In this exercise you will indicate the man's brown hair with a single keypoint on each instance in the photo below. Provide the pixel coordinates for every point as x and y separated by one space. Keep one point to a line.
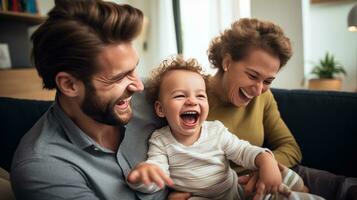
246 35
75 33
152 87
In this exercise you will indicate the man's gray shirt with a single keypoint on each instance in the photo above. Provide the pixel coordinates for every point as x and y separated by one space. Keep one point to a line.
57 160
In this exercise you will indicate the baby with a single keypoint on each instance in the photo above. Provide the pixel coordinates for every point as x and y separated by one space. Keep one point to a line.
191 154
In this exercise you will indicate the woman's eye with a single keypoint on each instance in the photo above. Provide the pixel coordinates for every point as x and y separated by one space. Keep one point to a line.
267 82
252 76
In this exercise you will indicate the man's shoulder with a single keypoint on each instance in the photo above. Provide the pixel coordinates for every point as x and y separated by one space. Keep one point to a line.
39 142
144 113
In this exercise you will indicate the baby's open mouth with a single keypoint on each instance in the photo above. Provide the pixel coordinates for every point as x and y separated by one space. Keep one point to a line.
190 117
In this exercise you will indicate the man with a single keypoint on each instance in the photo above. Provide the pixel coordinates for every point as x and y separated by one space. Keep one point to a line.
80 148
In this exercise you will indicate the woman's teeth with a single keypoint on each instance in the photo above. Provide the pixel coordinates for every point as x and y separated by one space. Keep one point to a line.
246 94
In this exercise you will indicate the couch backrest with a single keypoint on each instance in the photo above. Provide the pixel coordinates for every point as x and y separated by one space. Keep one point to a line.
325 126
17 116
323 123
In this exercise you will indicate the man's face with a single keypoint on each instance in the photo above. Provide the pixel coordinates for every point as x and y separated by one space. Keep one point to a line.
107 97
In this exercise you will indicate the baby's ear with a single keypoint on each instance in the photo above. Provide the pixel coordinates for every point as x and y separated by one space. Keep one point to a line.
159 109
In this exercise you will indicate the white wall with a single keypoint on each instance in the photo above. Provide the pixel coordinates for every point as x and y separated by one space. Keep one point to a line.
44 6
328 32
288 15
313 30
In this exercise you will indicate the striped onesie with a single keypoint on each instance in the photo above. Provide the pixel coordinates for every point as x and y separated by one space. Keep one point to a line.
202 169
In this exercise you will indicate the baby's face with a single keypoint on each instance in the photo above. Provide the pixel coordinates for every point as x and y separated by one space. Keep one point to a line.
183 101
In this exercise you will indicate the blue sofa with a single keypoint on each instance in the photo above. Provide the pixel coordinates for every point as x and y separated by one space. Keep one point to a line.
323 123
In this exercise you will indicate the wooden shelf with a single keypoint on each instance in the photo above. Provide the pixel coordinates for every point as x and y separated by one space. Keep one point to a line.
329 1
24 17
23 84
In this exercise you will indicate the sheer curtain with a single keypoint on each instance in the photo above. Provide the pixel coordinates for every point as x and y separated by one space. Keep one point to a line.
204 19
161 40
157 41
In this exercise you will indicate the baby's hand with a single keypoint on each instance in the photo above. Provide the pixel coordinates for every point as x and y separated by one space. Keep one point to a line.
269 173
147 174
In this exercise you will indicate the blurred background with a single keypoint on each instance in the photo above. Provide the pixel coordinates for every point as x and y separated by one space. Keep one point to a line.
315 27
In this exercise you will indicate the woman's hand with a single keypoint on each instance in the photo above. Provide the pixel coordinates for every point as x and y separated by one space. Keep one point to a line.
147 174
179 196
249 182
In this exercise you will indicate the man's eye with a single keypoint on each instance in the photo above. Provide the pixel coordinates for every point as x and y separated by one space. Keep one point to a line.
117 80
132 73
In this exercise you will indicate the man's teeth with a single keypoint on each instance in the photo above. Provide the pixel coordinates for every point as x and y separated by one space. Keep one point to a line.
246 94
128 99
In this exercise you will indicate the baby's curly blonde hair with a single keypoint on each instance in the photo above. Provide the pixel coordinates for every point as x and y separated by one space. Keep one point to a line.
152 86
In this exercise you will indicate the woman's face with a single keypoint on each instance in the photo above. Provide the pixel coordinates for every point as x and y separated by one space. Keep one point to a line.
245 79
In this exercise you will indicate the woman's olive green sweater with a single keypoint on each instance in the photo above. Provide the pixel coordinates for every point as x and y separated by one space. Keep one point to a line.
259 122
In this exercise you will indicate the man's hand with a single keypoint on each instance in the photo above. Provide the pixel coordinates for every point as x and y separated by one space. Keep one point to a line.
179 196
147 174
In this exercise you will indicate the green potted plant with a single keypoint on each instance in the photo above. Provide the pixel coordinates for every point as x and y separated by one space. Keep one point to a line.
326 72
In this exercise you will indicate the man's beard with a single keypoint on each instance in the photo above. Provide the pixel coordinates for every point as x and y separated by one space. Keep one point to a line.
102 112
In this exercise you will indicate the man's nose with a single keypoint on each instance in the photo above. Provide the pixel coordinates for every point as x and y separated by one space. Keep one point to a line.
136 85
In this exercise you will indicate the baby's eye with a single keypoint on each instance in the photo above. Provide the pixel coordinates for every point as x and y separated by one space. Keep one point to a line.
201 96
179 96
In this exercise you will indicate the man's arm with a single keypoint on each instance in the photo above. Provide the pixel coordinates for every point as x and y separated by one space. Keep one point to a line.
42 180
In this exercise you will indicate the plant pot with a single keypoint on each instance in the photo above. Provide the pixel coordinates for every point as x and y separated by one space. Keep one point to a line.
325 84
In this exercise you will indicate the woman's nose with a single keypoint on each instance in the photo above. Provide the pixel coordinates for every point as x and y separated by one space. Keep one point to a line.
258 88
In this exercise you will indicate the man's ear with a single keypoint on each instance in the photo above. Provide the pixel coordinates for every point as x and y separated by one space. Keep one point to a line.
158 109
67 84
226 62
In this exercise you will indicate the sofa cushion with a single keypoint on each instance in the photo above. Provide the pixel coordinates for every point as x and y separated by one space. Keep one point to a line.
17 116
5 186
324 125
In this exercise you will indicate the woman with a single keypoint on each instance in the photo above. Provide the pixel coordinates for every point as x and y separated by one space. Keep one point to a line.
248 57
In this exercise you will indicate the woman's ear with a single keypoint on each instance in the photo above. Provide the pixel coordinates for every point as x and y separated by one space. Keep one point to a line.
67 84
158 109
226 62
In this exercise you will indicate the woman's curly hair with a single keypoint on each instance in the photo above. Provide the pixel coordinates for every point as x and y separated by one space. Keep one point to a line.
152 86
246 35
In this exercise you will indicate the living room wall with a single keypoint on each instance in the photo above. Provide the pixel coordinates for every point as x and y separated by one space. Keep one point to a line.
328 32
313 29
288 15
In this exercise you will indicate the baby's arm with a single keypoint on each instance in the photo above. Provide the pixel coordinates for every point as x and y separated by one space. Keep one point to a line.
148 178
153 174
252 157
269 173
